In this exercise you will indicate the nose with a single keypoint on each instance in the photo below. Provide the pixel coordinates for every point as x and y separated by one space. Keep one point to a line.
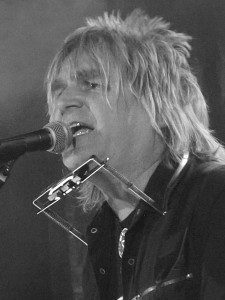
65 103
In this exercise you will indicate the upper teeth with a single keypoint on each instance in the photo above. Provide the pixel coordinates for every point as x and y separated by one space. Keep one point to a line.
75 125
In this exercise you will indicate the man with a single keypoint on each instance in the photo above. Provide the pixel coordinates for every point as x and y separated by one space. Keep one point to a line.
126 90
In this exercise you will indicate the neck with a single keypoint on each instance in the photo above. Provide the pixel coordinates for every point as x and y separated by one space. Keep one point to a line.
121 200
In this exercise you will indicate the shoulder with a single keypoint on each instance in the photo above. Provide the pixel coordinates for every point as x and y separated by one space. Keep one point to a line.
209 186
204 183
208 177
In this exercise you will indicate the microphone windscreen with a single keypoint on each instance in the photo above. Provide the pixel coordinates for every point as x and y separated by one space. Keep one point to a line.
61 136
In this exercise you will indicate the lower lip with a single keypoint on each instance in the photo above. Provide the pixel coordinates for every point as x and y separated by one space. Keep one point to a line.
79 135
82 132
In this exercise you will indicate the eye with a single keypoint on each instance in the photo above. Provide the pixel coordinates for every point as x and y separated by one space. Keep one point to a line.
90 85
57 94
94 85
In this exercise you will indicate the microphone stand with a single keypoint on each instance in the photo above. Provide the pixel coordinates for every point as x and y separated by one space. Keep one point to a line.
5 169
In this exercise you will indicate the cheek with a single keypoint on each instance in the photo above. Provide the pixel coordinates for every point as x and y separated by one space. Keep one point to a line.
114 119
54 114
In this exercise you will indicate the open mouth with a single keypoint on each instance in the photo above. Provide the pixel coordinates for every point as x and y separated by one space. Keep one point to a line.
78 129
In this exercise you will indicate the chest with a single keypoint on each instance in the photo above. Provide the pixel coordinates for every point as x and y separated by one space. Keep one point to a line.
156 258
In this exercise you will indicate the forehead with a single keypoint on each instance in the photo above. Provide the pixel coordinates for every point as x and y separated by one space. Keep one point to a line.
85 66
74 69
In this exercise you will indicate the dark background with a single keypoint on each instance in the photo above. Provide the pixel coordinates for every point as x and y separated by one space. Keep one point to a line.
38 260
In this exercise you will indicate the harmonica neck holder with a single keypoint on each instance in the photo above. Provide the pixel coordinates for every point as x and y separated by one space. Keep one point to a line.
72 181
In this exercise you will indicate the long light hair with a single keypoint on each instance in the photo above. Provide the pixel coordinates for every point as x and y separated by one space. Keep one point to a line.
152 60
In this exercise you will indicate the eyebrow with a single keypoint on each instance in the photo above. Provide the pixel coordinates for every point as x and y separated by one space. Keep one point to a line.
88 73
59 84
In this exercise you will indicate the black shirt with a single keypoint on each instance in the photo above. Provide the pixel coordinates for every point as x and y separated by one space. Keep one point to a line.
116 287
180 255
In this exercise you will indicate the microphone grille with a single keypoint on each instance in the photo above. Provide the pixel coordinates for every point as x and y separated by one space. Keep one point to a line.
61 135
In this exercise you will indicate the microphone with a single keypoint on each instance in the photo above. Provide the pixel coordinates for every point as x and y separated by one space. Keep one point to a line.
54 137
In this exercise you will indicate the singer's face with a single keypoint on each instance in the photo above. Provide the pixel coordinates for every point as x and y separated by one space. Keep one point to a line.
115 126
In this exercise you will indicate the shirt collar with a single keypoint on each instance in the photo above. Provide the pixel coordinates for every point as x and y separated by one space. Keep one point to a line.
158 183
163 181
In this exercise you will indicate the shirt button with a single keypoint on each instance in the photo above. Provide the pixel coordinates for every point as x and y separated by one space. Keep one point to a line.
131 261
102 271
138 211
94 230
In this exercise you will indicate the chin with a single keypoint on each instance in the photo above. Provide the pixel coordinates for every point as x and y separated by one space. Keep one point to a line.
72 162
75 157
